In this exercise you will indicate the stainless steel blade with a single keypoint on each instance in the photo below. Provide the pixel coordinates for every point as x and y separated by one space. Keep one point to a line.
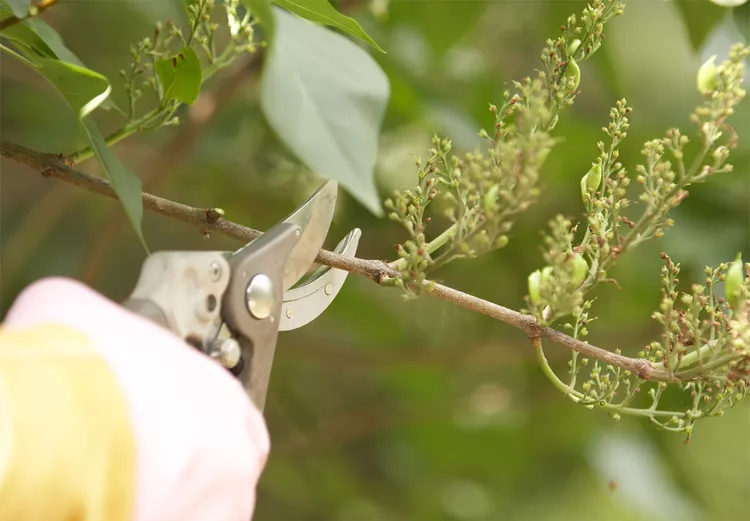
305 303
314 218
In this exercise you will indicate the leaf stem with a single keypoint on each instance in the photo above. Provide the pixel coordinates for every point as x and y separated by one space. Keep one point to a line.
577 396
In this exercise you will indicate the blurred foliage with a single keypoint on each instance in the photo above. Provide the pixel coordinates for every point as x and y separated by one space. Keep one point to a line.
389 410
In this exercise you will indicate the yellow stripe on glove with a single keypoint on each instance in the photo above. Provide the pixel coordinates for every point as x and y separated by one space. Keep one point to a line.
67 449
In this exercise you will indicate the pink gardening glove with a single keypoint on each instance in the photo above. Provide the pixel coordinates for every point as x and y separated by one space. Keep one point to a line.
200 443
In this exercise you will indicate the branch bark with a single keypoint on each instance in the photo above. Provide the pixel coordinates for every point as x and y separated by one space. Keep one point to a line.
208 219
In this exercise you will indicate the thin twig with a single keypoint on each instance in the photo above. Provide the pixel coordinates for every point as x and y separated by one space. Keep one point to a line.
40 8
52 165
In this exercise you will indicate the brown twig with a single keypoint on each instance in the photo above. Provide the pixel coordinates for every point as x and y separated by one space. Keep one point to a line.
51 165
40 8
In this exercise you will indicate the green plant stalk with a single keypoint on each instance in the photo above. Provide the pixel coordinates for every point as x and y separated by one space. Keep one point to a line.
431 247
577 396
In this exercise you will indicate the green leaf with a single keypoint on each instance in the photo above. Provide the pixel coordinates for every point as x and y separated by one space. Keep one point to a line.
126 185
16 55
261 9
728 3
325 97
38 38
20 8
323 12
85 90
181 75
443 24
700 18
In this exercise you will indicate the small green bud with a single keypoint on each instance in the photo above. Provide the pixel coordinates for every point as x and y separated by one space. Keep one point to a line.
573 71
580 270
590 182
733 282
706 79
501 242
535 280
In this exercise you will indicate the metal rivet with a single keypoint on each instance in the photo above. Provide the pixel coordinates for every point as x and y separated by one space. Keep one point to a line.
214 271
329 288
289 312
226 351
260 296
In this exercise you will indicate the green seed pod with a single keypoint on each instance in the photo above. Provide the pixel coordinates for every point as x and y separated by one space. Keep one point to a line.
534 281
573 71
490 197
706 79
574 45
580 270
733 282
590 182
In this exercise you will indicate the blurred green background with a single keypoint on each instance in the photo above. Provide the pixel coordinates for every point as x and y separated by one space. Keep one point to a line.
389 410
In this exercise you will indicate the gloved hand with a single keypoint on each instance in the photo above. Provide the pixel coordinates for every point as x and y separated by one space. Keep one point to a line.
104 416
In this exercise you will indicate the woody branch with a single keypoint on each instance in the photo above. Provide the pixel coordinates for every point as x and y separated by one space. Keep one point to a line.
209 219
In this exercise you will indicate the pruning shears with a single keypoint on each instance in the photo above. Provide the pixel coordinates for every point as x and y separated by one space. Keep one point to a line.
232 305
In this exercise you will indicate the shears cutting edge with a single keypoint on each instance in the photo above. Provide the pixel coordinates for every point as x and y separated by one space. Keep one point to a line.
231 305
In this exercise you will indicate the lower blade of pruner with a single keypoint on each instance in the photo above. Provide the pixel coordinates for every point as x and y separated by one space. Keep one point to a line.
306 302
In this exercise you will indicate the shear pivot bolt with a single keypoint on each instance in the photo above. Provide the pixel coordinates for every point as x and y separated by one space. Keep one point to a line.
260 296
226 351
214 271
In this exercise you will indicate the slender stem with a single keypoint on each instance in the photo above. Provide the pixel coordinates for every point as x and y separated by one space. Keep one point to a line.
431 247
578 397
126 131
39 8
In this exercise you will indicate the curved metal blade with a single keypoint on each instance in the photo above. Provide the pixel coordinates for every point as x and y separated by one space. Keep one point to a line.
305 303
314 217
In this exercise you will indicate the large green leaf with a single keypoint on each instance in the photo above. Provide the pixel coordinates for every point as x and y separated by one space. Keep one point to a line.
37 38
700 18
323 12
126 185
325 97
20 8
85 90
442 24
181 75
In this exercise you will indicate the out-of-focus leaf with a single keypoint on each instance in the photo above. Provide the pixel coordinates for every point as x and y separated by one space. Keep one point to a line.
728 3
126 185
699 18
325 97
442 24
85 90
14 53
181 75
20 8
323 12
37 35
261 9
741 17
